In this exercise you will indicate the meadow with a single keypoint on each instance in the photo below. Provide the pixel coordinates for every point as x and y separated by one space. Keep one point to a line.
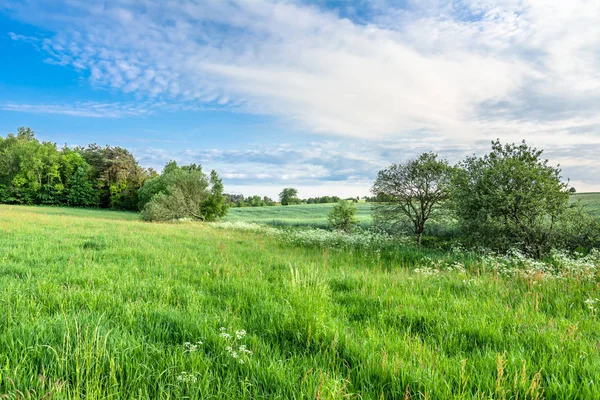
98 304
301 215
315 215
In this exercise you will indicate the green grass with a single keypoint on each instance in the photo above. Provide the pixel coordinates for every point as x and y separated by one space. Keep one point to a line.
590 201
98 304
315 215
301 215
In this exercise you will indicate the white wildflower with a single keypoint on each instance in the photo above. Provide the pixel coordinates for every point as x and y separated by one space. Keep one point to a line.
240 334
187 377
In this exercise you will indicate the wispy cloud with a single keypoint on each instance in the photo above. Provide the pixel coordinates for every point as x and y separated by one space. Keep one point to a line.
448 70
82 109
431 74
316 163
344 167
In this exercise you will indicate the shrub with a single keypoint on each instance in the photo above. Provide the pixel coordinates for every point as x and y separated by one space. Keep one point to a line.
343 216
509 198
182 192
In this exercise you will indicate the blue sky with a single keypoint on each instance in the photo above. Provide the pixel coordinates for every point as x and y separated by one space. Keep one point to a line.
318 95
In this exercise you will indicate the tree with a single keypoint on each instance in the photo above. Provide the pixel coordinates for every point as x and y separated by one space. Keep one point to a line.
343 216
572 190
288 196
411 190
182 192
267 201
29 170
117 175
81 190
510 197
34 172
215 205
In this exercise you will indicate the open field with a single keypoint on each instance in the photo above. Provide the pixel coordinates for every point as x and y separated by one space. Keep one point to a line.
591 202
98 304
297 215
316 214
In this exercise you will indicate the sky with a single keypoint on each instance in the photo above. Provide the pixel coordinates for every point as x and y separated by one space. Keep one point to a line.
317 95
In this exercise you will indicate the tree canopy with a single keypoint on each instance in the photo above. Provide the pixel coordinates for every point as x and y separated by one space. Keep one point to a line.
34 172
410 191
510 197
183 192
289 196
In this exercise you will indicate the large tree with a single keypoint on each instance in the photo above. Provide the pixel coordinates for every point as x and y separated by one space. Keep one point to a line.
510 197
289 196
117 175
410 191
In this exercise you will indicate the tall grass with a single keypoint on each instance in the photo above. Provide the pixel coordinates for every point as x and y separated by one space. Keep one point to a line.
96 306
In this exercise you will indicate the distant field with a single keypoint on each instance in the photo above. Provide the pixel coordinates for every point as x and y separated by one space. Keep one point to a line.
297 215
316 214
591 202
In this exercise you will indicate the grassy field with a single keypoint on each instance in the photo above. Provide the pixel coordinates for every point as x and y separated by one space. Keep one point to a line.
591 202
315 215
297 215
98 304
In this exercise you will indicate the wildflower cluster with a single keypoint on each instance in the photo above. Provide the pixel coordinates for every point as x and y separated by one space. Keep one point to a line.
367 239
236 350
370 241
433 267
187 377
427 271
593 304
560 265
192 347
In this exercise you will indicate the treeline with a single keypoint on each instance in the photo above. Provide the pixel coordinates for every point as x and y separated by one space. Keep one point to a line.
238 200
34 172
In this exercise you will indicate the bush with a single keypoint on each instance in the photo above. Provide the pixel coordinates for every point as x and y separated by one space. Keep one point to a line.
577 230
182 192
510 198
343 216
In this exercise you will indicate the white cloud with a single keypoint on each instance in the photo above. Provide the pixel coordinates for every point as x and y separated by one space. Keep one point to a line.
445 73
83 109
422 69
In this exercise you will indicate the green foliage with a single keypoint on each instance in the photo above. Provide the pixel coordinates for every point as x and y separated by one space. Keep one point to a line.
510 197
410 191
215 205
81 193
30 170
576 229
289 196
34 172
238 200
322 200
182 192
343 216
117 175
104 309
